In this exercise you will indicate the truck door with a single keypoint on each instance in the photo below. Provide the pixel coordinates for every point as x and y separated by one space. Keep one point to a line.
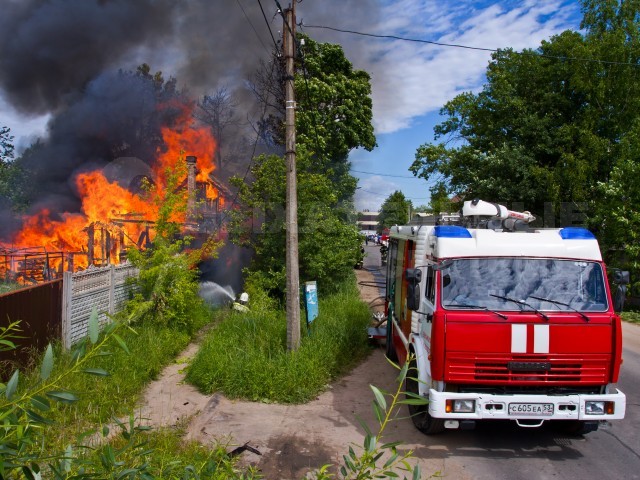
404 314
392 258
427 305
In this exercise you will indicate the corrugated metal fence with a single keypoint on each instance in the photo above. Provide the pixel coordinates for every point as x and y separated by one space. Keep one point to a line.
39 310
60 310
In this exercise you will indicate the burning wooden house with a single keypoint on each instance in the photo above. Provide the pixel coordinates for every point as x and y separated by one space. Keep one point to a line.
116 217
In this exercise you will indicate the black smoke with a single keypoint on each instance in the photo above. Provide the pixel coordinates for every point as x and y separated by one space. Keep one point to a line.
117 115
77 59
52 49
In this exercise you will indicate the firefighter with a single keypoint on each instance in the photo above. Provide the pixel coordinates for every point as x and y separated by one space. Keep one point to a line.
240 304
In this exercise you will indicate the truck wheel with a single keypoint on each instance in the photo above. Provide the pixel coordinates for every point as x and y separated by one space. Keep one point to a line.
390 349
420 413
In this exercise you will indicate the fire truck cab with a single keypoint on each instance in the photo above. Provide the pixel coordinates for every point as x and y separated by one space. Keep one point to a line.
502 321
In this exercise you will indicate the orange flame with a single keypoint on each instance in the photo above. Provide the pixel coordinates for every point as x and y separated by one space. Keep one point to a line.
182 139
117 210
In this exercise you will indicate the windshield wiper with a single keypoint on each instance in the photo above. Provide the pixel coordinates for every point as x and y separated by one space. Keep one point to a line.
477 307
521 303
582 314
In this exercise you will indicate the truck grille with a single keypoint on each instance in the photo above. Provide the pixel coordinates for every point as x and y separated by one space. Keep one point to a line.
527 369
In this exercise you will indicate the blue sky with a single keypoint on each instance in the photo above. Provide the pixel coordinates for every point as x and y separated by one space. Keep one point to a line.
411 81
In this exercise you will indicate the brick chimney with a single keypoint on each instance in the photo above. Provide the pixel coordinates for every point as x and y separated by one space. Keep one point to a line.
191 185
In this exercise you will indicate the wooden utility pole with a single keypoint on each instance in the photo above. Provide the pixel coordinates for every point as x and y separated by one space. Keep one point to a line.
291 211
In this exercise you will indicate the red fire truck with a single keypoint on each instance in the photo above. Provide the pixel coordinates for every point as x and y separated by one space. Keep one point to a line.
502 321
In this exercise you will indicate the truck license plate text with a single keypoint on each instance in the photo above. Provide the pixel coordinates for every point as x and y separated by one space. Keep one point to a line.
531 408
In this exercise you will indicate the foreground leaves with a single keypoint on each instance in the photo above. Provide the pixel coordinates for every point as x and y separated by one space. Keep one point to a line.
377 459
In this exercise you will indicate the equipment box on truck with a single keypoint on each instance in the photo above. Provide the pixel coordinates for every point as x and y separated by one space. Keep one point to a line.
504 321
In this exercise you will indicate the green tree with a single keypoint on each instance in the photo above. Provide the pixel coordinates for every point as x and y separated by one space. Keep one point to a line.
394 211
424 208
335 110
548 124
328 247
333 116
335 107
168 279
618 217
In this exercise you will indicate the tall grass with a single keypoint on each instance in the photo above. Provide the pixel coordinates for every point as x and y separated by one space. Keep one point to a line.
101 399
6 287
246 355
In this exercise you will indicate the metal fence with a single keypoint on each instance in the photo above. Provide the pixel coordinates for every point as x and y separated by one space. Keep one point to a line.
106 289
39 310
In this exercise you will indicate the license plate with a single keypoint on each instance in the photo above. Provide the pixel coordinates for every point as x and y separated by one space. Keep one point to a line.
542 409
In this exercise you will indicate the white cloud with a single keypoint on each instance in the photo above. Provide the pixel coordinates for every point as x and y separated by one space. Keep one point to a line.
410 79
25 130
372 192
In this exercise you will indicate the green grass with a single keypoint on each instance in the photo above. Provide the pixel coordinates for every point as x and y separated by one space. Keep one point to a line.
164 454
6 287
246 355
159 453
151 348
243 355
631 315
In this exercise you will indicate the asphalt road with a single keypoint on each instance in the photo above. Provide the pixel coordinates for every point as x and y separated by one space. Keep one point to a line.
504 451
495 450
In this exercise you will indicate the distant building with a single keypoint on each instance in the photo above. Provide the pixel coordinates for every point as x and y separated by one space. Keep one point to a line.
368 222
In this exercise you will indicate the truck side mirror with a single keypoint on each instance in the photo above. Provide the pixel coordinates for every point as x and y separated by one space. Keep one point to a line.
621 277
413 276
618 299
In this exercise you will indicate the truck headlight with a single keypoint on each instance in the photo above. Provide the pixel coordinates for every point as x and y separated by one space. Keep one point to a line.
598 407
461 406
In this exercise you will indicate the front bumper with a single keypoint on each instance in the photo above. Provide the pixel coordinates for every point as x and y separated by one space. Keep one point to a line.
514 407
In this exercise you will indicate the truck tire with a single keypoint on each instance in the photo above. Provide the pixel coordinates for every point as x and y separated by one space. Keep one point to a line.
390 349
420 413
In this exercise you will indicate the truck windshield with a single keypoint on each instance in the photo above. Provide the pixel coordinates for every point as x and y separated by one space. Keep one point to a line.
540 284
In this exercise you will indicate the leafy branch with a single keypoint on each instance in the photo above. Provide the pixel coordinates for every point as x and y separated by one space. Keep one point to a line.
22 416
377 459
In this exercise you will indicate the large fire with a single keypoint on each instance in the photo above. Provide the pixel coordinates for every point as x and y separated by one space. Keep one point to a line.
111 211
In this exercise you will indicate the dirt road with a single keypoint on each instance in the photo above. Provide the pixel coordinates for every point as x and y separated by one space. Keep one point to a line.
294 439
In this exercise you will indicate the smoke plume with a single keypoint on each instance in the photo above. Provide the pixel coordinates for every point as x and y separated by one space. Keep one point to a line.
76 60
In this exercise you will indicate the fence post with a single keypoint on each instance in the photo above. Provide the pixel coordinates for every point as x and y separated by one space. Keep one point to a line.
67 293
112 289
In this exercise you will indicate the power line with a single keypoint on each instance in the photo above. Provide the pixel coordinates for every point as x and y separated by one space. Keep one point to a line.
373 193
468 47
264 15
389 175
395 37
252 27
386 195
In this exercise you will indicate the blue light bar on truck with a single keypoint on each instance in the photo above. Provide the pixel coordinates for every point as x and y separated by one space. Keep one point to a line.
451 231
576 233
